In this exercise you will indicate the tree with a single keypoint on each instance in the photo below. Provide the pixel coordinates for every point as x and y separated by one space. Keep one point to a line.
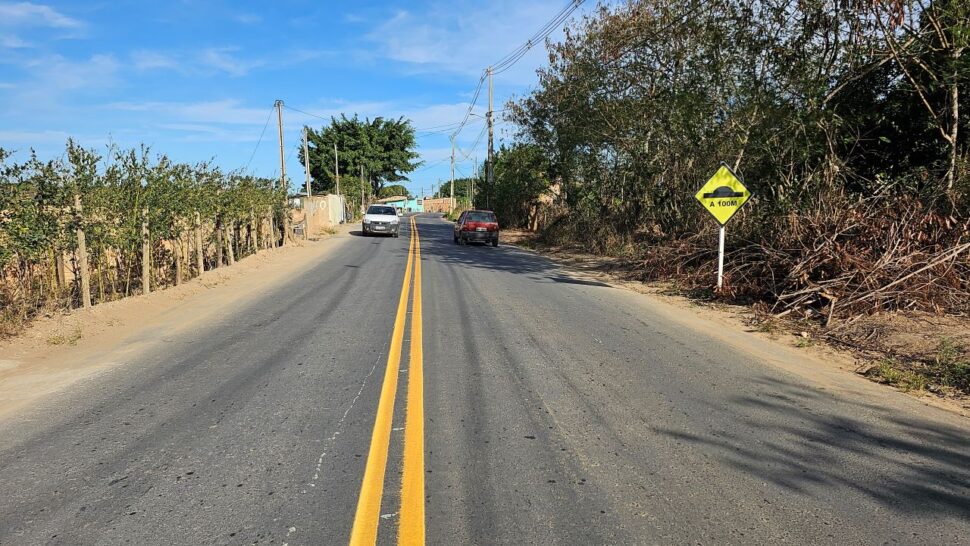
393 190
521 175
385 148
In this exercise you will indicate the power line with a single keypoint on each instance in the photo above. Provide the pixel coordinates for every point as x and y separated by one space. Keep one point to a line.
506 62
435 164
260 141
471 105
478 140
421 133
308 113
513 57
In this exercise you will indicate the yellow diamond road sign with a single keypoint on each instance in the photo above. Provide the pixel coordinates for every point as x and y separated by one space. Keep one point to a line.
723 195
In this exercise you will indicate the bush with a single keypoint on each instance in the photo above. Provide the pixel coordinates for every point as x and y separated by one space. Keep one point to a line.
117 193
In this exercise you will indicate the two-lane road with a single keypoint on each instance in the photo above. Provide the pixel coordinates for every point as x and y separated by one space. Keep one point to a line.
532 406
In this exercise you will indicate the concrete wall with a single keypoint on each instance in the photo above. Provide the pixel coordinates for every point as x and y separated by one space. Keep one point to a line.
320 211
445 204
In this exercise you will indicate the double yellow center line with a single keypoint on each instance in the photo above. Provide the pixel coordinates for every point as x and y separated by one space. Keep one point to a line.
411 527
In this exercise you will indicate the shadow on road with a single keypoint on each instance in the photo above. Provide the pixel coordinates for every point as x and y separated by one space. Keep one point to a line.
437 239
903 462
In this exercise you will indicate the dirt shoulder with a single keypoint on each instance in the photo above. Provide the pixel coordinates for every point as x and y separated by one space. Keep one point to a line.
58 350
886 348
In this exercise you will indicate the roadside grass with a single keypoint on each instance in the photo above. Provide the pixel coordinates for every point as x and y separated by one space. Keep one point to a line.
70 338
11 323
948 371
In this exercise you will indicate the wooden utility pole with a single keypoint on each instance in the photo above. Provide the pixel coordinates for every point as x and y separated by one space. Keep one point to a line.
146 255
286 215
82 255
451 207
336 168
306 161
489 177
279 123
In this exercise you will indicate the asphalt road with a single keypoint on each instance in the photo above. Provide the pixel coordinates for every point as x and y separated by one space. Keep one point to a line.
555 410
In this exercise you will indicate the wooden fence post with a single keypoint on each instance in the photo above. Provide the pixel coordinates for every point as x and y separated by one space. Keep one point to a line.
146 254
229 243
272 230
82 252
252 231
177 249
61 267
219 242
199 251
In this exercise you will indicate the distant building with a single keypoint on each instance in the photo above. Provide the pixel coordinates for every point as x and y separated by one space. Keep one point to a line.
404 203
444 204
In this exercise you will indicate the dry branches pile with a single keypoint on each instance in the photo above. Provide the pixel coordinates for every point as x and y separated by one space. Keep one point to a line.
872 255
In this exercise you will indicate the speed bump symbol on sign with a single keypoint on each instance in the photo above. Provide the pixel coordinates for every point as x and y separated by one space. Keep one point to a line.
723 195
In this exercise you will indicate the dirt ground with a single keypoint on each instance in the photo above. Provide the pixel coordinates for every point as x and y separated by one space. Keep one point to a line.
60 349
856 347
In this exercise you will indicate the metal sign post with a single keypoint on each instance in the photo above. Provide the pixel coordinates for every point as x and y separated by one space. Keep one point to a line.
720 259
723 196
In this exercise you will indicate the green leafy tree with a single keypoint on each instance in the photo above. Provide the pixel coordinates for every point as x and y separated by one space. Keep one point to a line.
384 148
393 190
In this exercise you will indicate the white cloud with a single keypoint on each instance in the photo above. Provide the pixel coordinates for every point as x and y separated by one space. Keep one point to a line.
464 38
33 137
22 14
153 60
56 73
227 111
247 18
10 41
221 59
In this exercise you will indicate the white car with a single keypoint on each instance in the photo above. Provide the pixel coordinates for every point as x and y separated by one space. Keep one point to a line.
381 219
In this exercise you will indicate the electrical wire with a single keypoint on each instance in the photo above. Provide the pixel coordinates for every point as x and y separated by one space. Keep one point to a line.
308 113
506 62
478 140
513 57
435 164
260 141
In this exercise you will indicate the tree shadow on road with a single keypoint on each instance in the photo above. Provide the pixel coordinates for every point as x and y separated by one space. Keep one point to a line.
437 240
900 460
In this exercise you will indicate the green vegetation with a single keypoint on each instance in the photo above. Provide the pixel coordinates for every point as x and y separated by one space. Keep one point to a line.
948 371
384 148
117 193
393 190
844 119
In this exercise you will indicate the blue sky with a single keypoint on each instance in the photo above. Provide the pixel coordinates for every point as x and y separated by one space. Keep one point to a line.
197 80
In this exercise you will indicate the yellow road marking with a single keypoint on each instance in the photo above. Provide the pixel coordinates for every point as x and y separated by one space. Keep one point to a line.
411 530
368 513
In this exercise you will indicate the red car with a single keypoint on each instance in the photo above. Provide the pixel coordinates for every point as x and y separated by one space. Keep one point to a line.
477 226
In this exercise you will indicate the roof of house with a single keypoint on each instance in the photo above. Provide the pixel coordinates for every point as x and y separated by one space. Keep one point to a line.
392 199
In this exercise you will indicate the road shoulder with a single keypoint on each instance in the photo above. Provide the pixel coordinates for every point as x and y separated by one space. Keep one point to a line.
797 351
61 349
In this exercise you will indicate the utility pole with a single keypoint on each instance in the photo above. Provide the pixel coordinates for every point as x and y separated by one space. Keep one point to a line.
451 206
336 166
489 176
306 161
279 122
336 170
286 214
